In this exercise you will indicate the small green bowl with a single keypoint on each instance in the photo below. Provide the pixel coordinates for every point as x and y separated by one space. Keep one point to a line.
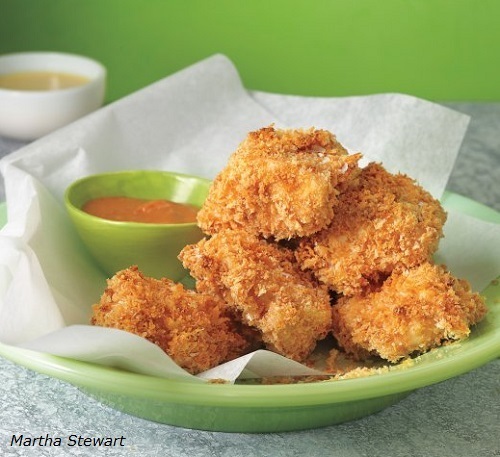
152 247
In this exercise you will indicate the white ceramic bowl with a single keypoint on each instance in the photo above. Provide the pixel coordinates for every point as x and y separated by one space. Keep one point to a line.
30 114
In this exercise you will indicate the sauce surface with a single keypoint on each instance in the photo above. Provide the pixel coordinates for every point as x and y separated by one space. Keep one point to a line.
128 209
41 80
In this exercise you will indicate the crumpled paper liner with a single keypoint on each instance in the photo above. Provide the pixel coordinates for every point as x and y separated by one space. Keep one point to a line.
191 122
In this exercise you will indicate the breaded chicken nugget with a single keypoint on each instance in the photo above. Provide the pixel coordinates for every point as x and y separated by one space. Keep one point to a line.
414 311
383 222
279 183
264 288
191 328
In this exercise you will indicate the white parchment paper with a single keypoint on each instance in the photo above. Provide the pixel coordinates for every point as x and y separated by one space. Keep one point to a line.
191 122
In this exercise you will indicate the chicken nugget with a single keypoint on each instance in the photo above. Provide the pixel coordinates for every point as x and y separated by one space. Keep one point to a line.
383 222
414 311
191 328
279 183
264 288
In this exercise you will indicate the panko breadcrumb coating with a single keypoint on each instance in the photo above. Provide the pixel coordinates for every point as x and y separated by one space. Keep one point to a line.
414 311
383 222
190 327
259 282
293 225
279 184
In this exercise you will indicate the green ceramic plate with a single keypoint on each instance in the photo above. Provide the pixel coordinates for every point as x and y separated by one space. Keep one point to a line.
269 408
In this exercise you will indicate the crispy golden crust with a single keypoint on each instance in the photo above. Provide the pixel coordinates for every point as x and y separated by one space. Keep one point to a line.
191 328
295 224
279 183
414 311
383 222
265 289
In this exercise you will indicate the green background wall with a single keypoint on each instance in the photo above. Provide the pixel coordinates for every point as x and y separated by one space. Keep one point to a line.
435 49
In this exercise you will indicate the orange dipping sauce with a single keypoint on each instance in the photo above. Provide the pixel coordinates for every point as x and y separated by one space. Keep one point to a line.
128 209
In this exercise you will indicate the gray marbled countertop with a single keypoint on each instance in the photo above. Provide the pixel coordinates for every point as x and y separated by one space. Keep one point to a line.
458 417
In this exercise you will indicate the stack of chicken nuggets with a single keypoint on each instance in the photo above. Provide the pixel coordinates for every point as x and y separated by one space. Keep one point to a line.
301 243
364 235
